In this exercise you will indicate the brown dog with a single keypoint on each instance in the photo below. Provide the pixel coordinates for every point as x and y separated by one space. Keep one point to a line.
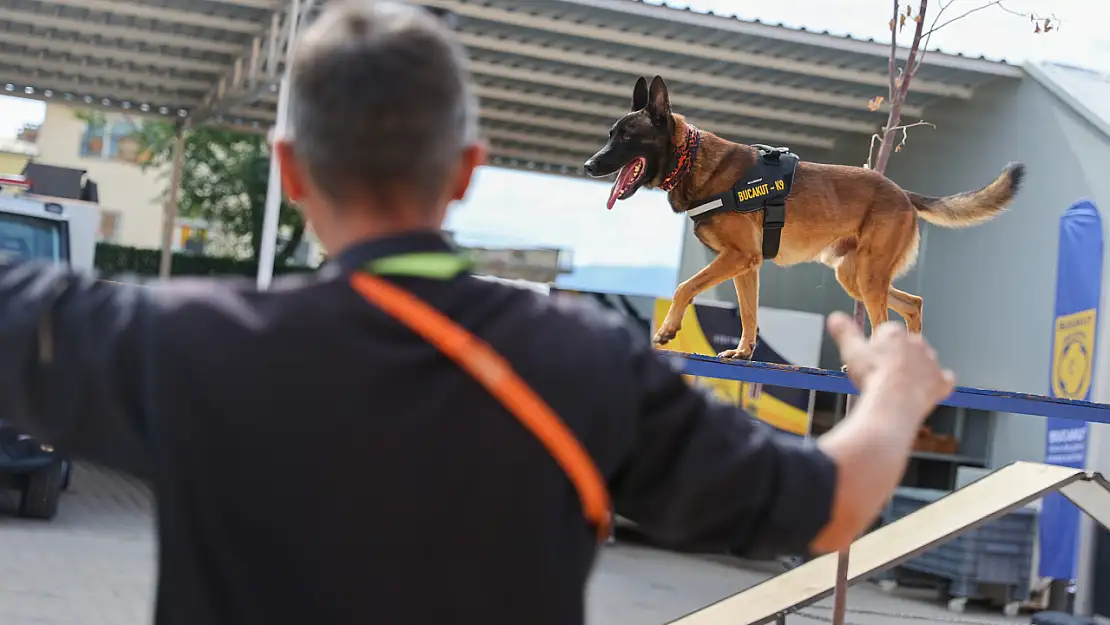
852 219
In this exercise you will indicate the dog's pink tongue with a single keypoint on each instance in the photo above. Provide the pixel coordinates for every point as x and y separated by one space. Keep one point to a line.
614 193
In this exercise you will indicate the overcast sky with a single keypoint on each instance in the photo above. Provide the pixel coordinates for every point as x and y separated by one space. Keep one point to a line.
523 208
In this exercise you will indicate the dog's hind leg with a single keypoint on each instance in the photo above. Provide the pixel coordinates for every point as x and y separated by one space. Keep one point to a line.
906 304
874 273
888 240
846 276
909 306
726 265
747 295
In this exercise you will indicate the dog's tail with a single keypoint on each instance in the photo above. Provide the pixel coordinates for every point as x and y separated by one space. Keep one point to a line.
974 207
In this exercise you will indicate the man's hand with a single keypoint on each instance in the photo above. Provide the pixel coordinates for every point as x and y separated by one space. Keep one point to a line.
901 364
900 382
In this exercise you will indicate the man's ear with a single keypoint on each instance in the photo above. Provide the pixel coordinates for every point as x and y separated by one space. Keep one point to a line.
292 174
640 94
659 102
473 157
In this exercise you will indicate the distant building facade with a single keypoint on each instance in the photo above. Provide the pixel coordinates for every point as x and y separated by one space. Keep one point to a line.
15 153
132 199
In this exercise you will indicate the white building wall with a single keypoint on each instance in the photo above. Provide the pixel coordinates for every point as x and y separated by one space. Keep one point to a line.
990 291
131 198
125 190
1093 149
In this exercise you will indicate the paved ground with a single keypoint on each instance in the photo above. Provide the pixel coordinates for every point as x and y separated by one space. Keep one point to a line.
93 565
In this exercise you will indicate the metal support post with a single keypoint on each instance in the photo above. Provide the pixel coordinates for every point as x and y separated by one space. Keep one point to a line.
840 592
268 248
169 212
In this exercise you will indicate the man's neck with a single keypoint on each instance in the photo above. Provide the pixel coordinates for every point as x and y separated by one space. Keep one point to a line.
354 231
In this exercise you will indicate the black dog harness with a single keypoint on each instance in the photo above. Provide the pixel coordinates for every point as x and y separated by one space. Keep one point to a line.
764 187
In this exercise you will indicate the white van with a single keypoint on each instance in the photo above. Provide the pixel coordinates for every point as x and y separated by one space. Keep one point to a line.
57 230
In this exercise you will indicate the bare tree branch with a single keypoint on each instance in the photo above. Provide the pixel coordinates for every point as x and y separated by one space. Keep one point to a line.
905 135
988 5
875 138
900 78
886 147
893 66
1051 20
929 35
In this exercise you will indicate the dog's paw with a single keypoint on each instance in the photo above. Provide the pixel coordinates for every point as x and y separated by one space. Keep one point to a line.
737 354
664 336
742 352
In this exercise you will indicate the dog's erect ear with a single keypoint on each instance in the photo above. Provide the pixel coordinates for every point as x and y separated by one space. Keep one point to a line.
659 102
640 94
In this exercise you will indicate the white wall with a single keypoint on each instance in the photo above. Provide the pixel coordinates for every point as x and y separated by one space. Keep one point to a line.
123 186
1094 147
1094 150
990 291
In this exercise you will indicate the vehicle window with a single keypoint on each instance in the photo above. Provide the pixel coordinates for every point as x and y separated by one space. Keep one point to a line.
24 238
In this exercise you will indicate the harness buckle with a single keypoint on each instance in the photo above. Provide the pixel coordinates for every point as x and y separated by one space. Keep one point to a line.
770 155
774 216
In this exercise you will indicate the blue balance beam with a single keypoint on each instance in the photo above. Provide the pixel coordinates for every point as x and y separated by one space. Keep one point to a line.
837 382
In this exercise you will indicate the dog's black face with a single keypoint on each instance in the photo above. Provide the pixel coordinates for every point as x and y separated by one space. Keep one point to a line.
639 145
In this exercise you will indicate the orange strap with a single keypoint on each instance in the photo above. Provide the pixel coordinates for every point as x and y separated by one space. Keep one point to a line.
492 371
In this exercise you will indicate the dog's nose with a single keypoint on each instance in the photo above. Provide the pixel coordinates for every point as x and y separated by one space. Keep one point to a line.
590 166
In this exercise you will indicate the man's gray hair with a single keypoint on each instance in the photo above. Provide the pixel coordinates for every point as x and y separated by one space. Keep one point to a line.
380 101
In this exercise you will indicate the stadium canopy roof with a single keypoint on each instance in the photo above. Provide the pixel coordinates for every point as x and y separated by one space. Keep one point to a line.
552 75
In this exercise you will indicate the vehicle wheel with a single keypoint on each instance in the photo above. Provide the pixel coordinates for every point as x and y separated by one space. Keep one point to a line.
67 473
44 489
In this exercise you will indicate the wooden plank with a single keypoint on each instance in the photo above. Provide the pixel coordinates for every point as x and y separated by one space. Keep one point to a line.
1092 496
836 382
992 496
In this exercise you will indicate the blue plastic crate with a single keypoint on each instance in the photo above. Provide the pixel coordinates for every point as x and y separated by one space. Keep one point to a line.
998 553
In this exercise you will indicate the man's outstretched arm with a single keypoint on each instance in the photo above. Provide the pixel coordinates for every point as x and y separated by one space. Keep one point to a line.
75 363
704 476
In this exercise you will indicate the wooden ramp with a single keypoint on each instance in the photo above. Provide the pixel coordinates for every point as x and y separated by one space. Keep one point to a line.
963 510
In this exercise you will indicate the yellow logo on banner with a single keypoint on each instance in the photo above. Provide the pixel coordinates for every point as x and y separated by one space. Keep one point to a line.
1073 354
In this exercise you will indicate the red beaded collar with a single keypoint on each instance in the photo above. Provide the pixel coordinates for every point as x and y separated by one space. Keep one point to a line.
684 157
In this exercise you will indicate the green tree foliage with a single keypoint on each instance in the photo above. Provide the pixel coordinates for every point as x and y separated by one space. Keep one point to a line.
115 261
95 120
223 180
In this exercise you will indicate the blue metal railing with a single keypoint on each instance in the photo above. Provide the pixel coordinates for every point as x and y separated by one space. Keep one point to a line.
837 382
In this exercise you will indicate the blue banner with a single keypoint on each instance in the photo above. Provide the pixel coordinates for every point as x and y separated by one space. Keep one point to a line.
1078 288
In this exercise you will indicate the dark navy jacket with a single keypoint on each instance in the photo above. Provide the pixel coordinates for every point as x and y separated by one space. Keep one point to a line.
315 462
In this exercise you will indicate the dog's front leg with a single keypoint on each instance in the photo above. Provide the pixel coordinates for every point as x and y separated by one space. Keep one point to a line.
726 265
747 295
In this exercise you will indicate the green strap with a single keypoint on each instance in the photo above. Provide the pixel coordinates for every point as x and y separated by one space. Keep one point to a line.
430 265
